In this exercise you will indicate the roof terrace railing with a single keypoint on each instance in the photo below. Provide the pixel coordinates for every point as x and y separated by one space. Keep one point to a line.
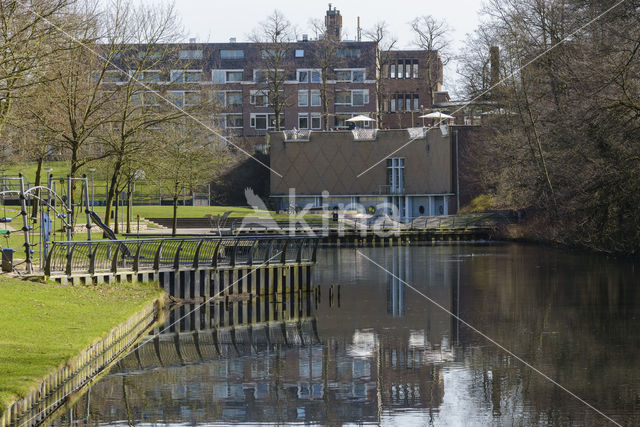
364 134
297 135
134 255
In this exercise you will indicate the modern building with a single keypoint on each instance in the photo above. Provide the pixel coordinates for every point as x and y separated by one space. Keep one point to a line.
372 171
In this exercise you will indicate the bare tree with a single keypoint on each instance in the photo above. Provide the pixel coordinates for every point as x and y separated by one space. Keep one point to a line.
432 35
385 42
185 156
272 38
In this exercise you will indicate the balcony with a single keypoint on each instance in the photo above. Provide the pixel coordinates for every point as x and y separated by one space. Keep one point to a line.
295 135
364 134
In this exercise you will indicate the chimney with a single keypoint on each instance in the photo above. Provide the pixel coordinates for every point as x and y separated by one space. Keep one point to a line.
333 23
232 40
494 62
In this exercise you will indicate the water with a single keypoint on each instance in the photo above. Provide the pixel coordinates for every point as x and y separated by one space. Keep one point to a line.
378 352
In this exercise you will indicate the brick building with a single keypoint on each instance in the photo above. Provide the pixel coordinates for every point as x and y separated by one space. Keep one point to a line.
233 73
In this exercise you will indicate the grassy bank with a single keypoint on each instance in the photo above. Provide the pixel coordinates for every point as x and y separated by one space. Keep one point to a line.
45 324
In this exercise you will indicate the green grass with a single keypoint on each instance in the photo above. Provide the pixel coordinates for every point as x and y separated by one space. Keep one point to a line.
46 324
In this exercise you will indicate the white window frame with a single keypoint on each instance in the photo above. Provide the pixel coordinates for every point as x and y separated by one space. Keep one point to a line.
254 116
335 101
198 54
224 72
365 97
226 98
309 72
176 74
311 94
315 116
259 92
226 121
299 53
306 117
305 94
143 74
350 71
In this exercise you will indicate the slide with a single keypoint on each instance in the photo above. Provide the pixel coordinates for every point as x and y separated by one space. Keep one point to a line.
107 231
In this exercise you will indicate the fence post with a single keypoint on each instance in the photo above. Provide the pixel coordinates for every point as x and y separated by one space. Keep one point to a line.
69 267
114 260
176 260
92 259
214 259
156 259
196 257
136 258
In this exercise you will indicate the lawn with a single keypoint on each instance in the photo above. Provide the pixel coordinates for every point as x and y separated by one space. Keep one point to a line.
46 324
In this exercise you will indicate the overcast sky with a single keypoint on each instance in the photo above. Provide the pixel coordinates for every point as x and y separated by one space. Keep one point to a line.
217 21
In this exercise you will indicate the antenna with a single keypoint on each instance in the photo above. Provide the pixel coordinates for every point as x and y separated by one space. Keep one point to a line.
359 32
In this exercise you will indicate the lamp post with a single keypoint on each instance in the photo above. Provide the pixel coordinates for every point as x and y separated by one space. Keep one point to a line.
93 200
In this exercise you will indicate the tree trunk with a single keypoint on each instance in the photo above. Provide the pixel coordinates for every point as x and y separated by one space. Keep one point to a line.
111 194
36 202
174 223
116 228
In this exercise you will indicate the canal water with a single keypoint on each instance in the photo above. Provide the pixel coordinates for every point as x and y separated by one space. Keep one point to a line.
370 349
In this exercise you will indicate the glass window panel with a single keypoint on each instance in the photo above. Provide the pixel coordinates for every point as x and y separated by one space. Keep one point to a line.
415 68
343 76
400 69
303 98
303 76
190 54
316 100
358 76
392 73
407 69
234 99
316 122
261 121
235 121
358 98
234 76
231 54
299 53
191 98
316 76
303 121
343 98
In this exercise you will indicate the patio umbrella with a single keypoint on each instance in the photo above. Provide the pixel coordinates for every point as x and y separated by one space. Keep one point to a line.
437 115
360 119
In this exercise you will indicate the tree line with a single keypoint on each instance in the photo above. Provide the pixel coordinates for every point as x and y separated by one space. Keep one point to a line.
561 130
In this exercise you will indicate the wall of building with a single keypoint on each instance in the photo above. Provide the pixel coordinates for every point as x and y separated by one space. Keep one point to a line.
332 161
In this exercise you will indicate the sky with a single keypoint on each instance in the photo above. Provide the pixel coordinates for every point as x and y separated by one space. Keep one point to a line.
217 21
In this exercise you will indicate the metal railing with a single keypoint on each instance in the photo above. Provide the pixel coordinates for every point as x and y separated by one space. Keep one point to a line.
360 134
297 135
135 255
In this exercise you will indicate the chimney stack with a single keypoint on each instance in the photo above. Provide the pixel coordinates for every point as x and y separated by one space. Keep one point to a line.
333 23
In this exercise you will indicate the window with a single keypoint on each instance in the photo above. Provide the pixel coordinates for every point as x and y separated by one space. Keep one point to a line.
303 121
219 98
360 97
231 54
303 98
186 76
308 75
303 76
259 98
259 76
112 76
400 69
234 121
392 73
233 76
316 100
149 55
190 54
316 76
355 75
299 53
407 69
151 98
395 174
316 121
260 121
343 97
234 99
150 76
343 76
415 68
392 105
400 102
350 52
192 98
175 97
416 102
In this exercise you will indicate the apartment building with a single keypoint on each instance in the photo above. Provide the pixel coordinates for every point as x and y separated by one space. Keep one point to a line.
233 76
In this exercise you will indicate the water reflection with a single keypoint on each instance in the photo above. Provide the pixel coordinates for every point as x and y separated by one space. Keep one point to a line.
367 349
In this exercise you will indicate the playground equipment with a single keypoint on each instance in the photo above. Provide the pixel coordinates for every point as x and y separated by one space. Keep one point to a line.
49 199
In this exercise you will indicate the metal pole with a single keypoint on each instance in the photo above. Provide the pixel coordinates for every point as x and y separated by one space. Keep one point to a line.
457 176
70 223
87 208
25 228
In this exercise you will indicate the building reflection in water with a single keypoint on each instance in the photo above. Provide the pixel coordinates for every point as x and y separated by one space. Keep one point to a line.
294 357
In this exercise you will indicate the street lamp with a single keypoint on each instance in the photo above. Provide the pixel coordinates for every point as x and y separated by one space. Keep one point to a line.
93 200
